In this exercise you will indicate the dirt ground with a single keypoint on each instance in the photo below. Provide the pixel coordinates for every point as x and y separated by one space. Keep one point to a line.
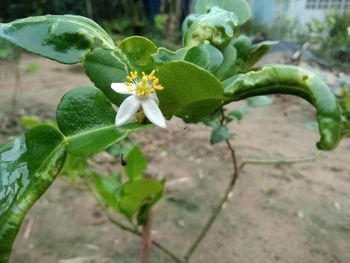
278 213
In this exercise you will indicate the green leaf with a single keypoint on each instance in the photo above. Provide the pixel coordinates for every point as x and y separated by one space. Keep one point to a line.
198 56
189 91
28 166
257 52
218 27
87 118
220 134
282 79
104 67
205 56
138 193
64 38
259 101
238 114
239 7
138 50
107 188
136 163
227 67
164 55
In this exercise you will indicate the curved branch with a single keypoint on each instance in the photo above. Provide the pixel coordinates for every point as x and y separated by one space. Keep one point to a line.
282 79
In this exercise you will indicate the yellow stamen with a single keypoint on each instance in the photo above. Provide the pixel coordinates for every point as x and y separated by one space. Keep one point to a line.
147 84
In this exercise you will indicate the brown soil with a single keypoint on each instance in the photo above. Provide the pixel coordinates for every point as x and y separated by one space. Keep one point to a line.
278 213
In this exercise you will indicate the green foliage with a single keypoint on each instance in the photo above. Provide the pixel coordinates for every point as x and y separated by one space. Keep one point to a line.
86 117
190 92
331 39
107 188
239 7
214 68
66 39
29 164
138 51
136 194
164 55
217 26
104 67
135 163
295 81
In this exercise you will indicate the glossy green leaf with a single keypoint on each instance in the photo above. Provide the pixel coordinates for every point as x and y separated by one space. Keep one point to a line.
189 91
218 27
64 38
104 67
138 193
87 118
281 79
238 7
164 55
28 166
136 163
138 50
107 188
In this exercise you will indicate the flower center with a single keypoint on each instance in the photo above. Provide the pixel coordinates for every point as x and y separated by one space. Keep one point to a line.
144 86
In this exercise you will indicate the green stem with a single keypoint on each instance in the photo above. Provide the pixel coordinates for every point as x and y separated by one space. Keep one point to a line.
279 161
218 207
127 228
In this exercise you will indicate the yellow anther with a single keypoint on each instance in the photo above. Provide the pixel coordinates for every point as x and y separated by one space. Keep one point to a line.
144 80
158 87
147 84
151 75
155 81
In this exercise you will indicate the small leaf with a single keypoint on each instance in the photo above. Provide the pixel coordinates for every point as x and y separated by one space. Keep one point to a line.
64 38
108 187
217 26
164 55
220 134
138 193
28 166
238 114
227 67
104 67
136 163
198 56
86 117
257 52
189 91
138 50
238 7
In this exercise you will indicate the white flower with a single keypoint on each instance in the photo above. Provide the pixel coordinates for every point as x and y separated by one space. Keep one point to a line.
142 94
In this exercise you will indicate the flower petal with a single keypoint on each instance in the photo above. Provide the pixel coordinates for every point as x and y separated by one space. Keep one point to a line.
121 88
127 110
153 113
154 97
